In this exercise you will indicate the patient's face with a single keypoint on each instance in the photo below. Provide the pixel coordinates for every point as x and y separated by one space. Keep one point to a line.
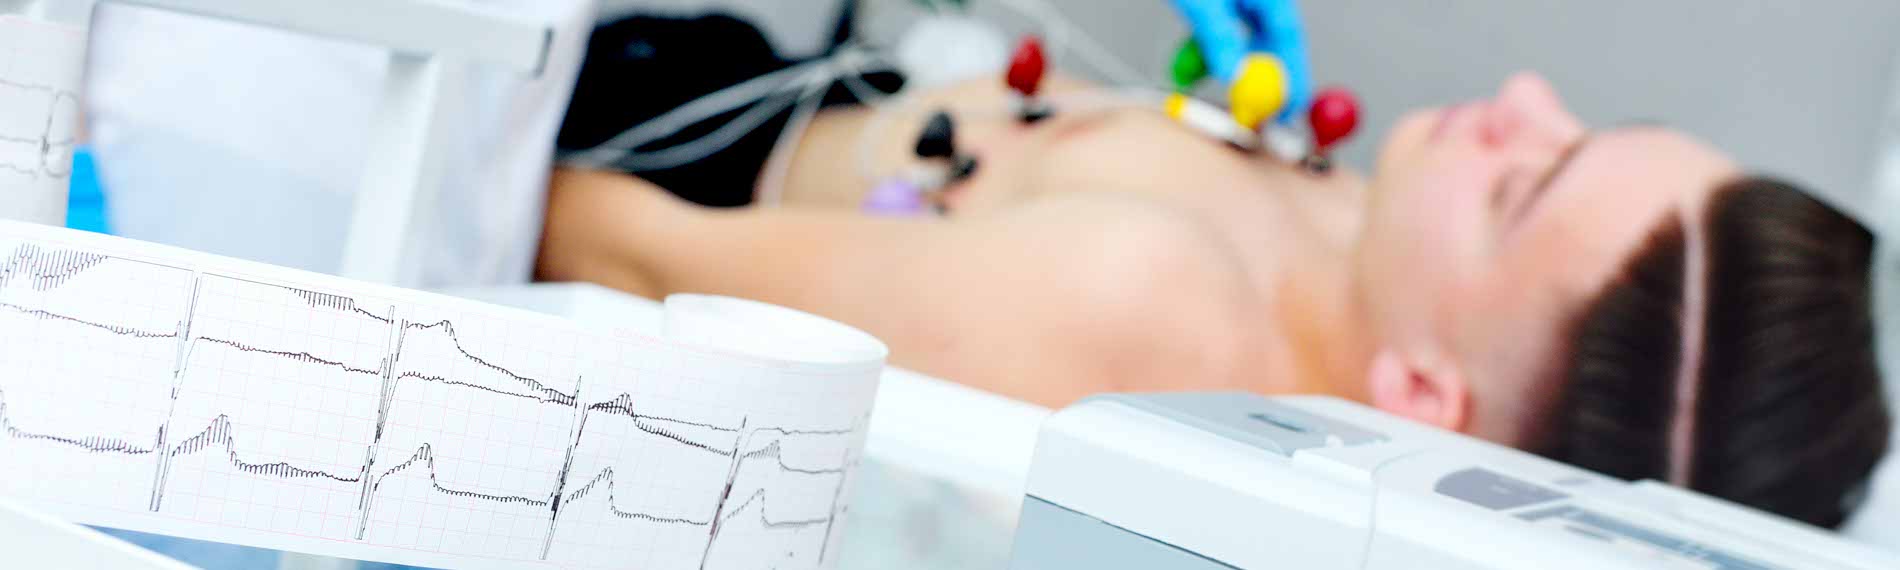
1492 221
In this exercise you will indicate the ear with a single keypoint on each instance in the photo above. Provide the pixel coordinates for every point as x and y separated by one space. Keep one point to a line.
1438 397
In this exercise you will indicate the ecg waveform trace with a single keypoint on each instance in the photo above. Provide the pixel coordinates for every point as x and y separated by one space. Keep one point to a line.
32 272
40 71
49 149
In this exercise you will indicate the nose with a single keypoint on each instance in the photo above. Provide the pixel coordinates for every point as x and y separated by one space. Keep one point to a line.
1527 110
1527 87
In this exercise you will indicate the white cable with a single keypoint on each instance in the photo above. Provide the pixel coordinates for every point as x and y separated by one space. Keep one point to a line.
767 95
1104 61
721 138
849 65
707 106
623 149
864 92
703 108
820 75
1056 32
852 67
712 104
1071 102
939 7
785 150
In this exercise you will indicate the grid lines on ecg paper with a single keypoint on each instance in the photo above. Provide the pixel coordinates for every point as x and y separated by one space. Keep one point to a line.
36 137
305 413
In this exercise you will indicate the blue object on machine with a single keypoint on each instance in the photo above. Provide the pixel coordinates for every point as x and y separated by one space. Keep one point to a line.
1228 30
220 556
86 198
199 553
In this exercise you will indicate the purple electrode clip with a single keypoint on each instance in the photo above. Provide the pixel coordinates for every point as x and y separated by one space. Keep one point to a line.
896 197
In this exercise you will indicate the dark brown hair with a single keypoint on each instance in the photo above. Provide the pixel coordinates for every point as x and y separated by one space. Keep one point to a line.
1788 415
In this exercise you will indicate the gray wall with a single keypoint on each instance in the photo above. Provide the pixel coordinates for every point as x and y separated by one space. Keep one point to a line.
1788 87
1795 88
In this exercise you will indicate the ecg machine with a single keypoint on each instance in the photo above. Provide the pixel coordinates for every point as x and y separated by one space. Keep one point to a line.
1233 480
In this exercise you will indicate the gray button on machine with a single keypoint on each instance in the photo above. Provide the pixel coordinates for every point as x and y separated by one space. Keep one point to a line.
1491 490
1251 419
1614 530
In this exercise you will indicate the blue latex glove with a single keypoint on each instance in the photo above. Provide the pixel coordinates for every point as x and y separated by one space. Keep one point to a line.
1227 30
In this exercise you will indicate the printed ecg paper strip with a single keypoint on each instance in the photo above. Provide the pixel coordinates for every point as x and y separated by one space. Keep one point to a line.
40 69
166 391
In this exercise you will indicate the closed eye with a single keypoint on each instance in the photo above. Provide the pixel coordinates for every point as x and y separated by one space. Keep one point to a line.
1520 202
1527 199
1503 193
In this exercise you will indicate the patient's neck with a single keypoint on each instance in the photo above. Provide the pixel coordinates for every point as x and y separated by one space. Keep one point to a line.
1325 330
1343 342
1298 232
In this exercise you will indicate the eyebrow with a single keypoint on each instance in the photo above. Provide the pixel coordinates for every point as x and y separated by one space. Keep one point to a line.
1570 152
1563 163
1576 147
1568 155
1550 176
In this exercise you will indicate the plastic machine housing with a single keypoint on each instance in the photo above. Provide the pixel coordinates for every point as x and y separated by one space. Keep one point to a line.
1231 480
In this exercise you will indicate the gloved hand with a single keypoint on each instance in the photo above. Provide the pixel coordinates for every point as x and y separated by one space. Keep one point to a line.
1227 30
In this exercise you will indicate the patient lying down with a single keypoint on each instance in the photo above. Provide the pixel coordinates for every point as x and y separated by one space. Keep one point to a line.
1623 299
